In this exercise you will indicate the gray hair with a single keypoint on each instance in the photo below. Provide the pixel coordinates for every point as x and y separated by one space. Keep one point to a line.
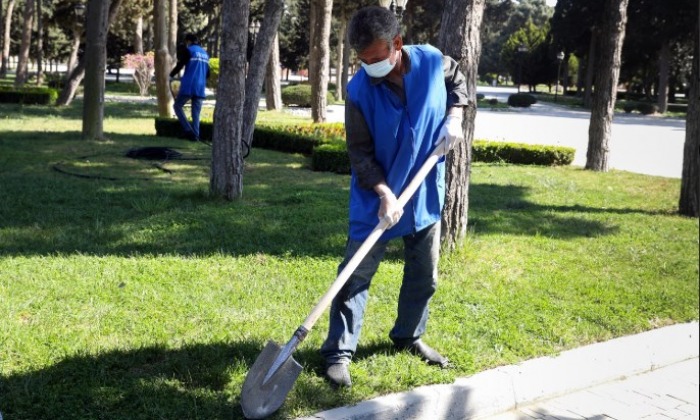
370 24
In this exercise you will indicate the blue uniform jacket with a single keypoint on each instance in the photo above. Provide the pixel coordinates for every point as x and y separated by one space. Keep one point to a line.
403 136
194 80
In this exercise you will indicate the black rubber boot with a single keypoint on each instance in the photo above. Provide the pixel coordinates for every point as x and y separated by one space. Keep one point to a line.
338 375
427 353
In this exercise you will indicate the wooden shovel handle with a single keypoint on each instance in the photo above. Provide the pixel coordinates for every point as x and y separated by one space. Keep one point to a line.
376 233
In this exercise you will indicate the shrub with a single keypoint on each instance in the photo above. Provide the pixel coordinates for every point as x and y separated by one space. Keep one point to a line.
493 101
680 108
523 154
480 96
331 157
143 69
291 139
28 95
628 107
213 80
300 95
170 127
647 109
522 100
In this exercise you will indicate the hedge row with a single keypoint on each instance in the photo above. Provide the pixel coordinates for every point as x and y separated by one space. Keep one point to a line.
521 154
28 95
290 139
325 143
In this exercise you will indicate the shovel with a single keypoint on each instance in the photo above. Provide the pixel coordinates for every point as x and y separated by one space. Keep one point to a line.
274 372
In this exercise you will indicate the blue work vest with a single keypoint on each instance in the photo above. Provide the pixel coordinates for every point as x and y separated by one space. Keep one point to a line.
194 80
403 136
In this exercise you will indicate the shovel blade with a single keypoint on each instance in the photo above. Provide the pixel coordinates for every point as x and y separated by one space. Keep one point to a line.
259 401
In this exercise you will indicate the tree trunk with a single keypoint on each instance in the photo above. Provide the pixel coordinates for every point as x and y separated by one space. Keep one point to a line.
590 69
138 35
172 31
664 72
346 64
257 66
75 47
96 49
39 44
23 59
273 89
460 39
606 77
227 161
689 202
319 57
162 58
72 83
7 27
339 94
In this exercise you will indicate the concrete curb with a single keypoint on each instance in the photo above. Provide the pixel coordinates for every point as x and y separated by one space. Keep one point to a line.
508 387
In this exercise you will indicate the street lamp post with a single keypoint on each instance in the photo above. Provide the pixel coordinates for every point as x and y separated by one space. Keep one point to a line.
399 8
79 10
212 46
254 27
522 49
560 58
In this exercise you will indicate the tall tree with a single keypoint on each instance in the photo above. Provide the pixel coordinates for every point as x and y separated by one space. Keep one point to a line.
77 27
606 77
257 67
23 60
39 43
227 160
575 26
460 38
7 27
172 30
138 34
76 75
162 58
689 202
273 88
94 87
319 58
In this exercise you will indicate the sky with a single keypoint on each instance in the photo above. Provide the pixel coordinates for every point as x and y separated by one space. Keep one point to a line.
551 2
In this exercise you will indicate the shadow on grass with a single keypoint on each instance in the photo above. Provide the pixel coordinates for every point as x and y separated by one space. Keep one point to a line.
153 208
195 381
74 111
504 209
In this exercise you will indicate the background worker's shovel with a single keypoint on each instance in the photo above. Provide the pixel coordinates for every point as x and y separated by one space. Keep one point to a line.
274 372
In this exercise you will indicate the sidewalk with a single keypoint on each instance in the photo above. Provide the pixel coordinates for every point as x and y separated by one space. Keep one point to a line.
649 375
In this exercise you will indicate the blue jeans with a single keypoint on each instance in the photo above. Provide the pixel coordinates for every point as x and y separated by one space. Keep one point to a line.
180 102
421 255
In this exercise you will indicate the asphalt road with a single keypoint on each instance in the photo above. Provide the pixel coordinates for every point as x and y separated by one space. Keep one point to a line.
649 145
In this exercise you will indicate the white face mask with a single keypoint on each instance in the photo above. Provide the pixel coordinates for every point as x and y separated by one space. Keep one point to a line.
379 69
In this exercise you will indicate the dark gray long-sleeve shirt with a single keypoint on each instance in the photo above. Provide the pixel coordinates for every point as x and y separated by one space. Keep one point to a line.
359 140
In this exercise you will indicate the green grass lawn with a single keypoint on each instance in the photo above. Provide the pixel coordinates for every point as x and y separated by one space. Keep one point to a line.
135 295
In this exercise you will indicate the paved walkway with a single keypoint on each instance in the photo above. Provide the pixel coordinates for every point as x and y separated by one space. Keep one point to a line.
652 375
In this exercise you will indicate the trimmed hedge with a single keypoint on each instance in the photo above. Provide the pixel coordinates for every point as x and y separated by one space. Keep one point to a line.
332 157
28 95
170 127
522 100
290 139
521 154
300 95
644 108
326 145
